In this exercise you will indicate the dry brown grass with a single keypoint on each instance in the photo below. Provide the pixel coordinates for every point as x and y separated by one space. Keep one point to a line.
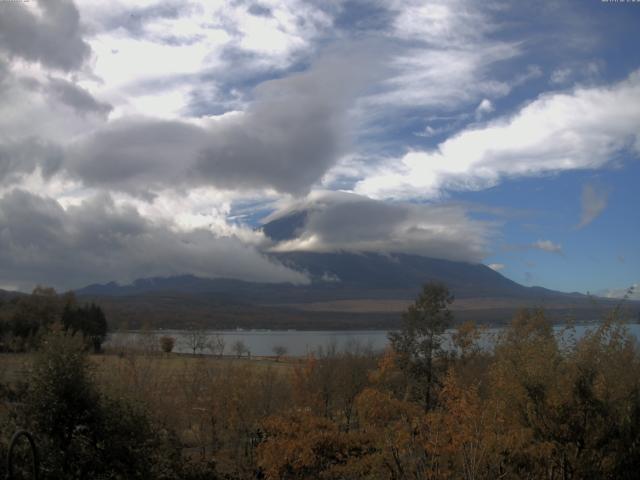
400 305
214 405
14 367
369 305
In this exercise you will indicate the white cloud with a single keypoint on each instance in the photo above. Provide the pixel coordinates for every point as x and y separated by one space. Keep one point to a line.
440 23
593 202
496 266
485 107
576 71
561 75
582 129
429 131
631 293
443 78
547 246
167 46
446 58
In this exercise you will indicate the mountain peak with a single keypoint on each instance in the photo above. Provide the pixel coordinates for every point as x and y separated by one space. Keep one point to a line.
286 227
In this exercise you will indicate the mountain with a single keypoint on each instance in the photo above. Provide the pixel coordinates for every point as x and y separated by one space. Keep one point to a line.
8 294
343 275
404 272
286 227
345 290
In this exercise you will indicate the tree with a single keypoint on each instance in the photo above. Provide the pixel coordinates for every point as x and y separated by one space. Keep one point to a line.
30 314
167 343
300 445
216 345
95 326
239 348
279 351
89 320
146 340
81 432
419 340
197 340
575 409
44 304
40 309
62 400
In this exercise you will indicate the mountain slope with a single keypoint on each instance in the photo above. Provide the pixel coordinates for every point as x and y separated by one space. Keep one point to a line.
401 272
343 275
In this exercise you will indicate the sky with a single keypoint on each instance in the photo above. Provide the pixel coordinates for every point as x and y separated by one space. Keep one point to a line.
153 138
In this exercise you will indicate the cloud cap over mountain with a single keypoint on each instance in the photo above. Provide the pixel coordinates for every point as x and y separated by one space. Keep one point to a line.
336 221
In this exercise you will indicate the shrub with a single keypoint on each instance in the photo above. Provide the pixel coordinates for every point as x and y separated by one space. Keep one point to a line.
83 433
167 344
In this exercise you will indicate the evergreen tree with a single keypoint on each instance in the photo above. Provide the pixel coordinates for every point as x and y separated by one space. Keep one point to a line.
419 340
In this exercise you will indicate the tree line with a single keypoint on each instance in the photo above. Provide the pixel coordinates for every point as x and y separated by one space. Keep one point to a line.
24 318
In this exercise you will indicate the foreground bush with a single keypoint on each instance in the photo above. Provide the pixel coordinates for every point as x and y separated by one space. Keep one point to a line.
84 434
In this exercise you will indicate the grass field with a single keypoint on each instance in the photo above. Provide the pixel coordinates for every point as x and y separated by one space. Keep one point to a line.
186 393
14 367
400 305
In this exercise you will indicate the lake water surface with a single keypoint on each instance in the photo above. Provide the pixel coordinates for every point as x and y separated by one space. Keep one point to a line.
299 342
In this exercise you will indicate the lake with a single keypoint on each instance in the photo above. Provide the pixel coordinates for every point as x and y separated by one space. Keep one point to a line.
297 342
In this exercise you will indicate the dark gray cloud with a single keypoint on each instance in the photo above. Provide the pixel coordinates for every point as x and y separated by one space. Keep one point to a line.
22 157
77 97
137 155
353 220
4 73
343 221
293 132
259 10
288 138
37 117
362 16
52 38
97 241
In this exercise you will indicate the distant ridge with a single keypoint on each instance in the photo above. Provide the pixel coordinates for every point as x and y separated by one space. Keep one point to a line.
6 294
344 274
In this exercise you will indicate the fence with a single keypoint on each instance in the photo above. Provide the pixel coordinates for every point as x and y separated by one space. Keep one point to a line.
35 465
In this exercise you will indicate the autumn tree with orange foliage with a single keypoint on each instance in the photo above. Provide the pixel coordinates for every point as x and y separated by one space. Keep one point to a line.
530 407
